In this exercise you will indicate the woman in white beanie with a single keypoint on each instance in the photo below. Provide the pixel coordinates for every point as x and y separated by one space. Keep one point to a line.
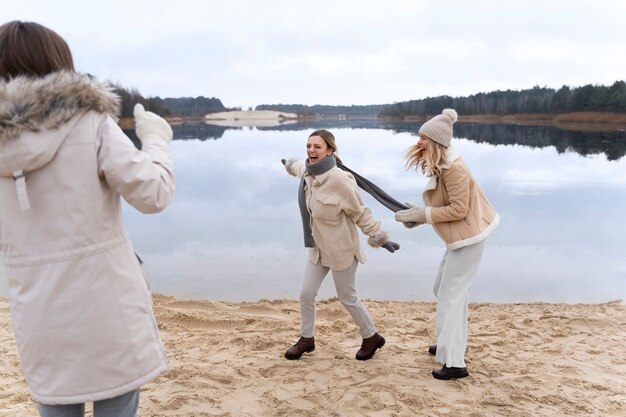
331 209
463 217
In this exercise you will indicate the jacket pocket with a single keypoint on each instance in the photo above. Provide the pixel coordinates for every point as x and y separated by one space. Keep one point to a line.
326 207
143 271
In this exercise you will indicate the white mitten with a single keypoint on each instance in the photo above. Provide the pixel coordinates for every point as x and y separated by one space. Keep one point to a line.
148 124
413 214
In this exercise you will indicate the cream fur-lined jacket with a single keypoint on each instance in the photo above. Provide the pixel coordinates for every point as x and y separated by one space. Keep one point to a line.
336 209
80 305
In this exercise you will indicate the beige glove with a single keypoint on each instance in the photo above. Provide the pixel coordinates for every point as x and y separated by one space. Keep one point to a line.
149 125
413 214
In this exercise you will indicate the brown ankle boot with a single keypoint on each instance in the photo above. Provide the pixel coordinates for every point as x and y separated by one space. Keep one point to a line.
305 344
369 347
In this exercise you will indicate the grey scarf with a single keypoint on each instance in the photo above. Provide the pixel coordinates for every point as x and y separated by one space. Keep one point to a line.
323 166
375 191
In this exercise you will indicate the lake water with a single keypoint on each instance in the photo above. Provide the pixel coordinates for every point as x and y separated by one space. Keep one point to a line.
233 230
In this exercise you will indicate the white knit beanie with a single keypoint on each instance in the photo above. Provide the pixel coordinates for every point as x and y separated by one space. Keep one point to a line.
439 128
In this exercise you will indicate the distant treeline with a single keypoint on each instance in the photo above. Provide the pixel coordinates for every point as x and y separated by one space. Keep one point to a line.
590 98
182 106
597 98
325 110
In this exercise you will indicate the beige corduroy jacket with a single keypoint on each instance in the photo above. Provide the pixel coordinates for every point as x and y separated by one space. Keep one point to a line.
456 206
336 209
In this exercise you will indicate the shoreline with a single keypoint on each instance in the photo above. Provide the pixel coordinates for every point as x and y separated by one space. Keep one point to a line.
577 121
227 359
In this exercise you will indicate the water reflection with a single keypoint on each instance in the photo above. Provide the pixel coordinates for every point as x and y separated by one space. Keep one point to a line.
233 229
610 143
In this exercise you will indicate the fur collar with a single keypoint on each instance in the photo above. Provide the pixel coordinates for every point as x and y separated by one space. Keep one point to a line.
49 102
451 155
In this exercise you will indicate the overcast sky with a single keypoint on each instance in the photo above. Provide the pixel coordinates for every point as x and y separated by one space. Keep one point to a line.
250 52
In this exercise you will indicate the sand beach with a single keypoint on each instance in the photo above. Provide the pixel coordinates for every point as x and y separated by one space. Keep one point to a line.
227 360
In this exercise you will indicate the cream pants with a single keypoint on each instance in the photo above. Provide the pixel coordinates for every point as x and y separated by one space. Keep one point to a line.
346 291
452 285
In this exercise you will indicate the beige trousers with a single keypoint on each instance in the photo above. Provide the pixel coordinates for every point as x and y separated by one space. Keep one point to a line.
346 292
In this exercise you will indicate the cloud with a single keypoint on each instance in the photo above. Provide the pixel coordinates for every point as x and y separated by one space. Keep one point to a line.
351 52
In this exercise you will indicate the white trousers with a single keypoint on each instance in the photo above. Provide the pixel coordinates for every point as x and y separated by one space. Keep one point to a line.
452 286
346 291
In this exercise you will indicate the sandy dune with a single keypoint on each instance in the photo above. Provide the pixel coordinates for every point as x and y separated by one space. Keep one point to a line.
262 118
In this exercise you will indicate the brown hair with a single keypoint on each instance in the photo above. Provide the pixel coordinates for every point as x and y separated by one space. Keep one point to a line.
329 138
28 48
430 162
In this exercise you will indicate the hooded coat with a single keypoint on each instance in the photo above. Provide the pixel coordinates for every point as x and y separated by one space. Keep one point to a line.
80 304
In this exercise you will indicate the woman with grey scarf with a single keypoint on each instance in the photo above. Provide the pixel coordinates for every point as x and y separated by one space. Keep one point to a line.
331 209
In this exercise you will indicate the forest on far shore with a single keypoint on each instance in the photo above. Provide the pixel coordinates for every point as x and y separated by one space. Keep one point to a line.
588 98
536 100
187 107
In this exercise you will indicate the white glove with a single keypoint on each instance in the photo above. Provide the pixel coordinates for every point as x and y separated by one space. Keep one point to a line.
148 124
413 214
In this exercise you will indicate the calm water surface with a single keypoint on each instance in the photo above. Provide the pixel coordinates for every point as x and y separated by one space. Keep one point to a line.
233 230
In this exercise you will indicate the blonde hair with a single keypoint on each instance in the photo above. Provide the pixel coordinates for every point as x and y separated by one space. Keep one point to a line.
329 139
429 162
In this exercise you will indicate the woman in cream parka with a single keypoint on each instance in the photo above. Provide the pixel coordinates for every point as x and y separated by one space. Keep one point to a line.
331 209
463 217
80 304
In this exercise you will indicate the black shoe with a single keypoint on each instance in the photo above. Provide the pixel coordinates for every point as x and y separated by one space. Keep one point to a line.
446 373
369 347
305 344
432 349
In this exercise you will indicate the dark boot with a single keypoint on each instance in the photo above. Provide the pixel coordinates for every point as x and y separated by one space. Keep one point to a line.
432 349
305 344
450 373
369 347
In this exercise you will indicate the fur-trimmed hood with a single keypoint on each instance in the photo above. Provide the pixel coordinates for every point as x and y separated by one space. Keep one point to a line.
48 102
36 114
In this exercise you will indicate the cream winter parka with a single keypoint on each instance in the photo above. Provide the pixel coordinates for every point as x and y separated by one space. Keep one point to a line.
80 305
336 209
456 206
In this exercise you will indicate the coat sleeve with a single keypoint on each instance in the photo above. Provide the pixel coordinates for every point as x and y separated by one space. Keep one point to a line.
295 167
145 179
352 204
457 186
